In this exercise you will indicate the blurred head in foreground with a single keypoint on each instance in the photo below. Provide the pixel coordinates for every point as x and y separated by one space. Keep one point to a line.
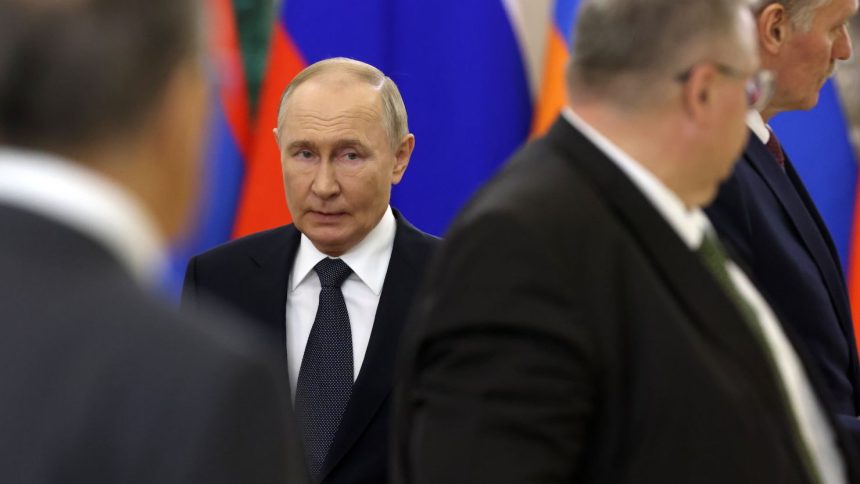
115 85
674 90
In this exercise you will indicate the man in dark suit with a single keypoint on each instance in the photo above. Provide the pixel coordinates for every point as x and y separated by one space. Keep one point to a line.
766 214
100 382
583 323
344 142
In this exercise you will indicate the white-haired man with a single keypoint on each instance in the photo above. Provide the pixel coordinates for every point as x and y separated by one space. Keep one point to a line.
766 214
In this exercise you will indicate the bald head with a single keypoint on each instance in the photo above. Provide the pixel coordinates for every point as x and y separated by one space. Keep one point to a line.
341 73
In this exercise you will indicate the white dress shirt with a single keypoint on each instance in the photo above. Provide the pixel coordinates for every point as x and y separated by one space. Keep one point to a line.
369 263
70 194
757 125
691 225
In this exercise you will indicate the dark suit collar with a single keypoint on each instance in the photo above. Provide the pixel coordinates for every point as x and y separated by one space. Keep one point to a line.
264 293
270 286
788 188
823 231
800 210
711 311
375 380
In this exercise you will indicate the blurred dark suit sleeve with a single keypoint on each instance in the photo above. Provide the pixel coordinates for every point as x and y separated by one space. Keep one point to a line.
505 338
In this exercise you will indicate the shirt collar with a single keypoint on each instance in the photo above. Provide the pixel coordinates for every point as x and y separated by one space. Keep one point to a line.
73 195
368 259
690 225
758 126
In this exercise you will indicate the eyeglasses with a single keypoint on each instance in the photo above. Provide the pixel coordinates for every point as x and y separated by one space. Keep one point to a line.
759 86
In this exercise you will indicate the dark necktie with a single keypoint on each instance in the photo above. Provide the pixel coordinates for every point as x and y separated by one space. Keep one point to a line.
714 257
326 375
773 145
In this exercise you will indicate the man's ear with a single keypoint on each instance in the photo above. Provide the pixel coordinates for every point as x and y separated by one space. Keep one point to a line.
401 158
773 27
697 93
176 145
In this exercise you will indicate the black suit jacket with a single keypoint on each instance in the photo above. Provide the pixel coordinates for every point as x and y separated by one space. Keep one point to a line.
251 274
101 383
567 334
768 217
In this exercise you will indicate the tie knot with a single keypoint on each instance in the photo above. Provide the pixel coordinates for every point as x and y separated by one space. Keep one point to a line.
332 272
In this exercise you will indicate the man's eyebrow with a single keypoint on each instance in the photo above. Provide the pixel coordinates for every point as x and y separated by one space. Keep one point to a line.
300 144
351 142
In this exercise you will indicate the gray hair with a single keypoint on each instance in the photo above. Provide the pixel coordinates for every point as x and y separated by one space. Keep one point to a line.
800 12
76 72
625 50
393 109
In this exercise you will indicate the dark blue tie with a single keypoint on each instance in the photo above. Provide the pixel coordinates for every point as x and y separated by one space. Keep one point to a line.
325 378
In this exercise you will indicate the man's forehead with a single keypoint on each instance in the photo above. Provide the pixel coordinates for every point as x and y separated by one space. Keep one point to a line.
328 120
340 87
842 9
334 100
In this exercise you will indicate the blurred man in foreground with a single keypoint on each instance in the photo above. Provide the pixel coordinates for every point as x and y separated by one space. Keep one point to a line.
765 212
334 287
101 104
583 323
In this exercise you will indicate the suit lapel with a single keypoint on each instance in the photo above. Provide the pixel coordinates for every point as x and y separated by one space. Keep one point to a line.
827 258
710 310
264 290
375 380
788 189
823 231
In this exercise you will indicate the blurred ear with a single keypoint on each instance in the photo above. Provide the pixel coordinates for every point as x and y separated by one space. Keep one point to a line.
401 158
697 93
773 27
176 145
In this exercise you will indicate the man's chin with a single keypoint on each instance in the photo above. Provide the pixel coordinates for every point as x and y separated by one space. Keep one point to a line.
811 103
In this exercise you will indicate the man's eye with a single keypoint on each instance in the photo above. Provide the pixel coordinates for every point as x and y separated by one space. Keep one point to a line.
305 154
352 156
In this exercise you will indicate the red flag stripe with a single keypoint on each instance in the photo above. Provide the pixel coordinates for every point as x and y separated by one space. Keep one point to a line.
262 204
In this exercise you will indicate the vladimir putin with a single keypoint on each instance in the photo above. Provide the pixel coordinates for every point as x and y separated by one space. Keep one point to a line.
335 286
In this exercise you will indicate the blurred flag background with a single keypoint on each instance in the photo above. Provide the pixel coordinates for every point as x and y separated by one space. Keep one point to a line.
478 78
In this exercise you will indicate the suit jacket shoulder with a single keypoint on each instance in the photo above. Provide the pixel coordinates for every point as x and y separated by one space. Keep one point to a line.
93 366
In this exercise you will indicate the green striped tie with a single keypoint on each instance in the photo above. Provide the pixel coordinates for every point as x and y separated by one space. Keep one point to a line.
714 256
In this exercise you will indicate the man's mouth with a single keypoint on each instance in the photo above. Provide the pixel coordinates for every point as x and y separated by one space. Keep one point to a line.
326 215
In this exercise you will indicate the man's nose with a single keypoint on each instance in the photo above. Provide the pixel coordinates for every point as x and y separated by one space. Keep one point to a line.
325 183
843 49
